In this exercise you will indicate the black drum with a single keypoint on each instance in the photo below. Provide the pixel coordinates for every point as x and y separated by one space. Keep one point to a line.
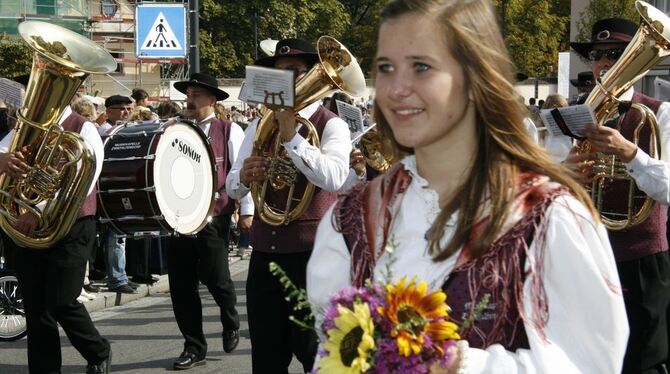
157 179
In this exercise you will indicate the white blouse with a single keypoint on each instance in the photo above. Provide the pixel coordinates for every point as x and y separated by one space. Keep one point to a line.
587 328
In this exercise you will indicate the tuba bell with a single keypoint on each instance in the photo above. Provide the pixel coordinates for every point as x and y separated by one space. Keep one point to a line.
62 165
337 69
649 46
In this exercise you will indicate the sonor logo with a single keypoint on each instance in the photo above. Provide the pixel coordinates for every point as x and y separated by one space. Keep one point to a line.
186 150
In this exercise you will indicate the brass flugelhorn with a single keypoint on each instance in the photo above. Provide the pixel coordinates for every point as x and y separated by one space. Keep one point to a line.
62 165
337 69
649 46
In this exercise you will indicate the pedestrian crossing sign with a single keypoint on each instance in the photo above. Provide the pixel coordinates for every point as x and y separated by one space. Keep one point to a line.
160 31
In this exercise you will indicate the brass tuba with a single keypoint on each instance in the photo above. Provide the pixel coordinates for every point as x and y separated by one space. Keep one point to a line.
377 152
337 69
648 47
62 165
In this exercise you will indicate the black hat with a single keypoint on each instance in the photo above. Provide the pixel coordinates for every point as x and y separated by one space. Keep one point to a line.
584 79
117 100
607 31
291 48
205 81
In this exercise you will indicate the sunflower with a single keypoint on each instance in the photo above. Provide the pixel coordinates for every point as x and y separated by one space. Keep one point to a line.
350 344
414 313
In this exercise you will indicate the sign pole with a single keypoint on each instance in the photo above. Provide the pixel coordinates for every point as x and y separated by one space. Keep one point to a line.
194 51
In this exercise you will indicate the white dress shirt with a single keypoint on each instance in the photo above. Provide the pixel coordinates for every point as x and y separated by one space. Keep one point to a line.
651 175
326 167
587 328
235 139
89 132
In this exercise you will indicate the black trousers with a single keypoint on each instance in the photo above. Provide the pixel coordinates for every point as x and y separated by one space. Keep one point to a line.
51 280
201 259
646 285
274 338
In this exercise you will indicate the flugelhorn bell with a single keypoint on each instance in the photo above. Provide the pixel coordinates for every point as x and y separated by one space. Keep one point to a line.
62 165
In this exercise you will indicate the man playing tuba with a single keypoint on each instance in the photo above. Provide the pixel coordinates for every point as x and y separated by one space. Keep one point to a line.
641 251
274 338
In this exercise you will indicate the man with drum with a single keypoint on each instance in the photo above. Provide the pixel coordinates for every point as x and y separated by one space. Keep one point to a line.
204 258
641 251
51 279
274 338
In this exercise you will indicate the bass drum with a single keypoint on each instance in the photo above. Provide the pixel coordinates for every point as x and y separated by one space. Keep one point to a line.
157 179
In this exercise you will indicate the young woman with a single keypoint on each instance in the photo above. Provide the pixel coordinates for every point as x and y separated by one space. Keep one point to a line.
475 206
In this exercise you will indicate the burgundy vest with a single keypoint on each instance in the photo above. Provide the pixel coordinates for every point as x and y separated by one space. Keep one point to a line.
74 122
297 236
219 133
648 237
499 272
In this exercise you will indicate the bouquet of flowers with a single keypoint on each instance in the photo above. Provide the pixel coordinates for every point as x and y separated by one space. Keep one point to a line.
389 328
381 328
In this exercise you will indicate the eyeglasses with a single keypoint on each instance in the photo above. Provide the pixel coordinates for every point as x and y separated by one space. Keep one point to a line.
611 54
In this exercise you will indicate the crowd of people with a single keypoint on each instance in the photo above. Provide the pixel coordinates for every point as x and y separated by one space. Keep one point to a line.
507 216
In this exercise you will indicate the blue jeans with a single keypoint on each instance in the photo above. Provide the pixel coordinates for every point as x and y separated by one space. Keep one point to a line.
116 260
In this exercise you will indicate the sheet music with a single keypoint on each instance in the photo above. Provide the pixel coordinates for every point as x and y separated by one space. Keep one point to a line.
271 87
570 121
352 116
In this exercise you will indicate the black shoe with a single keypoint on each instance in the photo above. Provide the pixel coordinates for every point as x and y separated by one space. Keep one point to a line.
90 288
230 340
187 360
124 288
133 285
101 368
144 279
97 275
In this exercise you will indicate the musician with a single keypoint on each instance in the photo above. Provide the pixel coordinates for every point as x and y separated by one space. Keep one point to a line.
274 338
641 252
118 109
204 257
51 279
584 84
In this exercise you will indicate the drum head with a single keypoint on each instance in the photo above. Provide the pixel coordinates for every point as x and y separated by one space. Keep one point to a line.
184 178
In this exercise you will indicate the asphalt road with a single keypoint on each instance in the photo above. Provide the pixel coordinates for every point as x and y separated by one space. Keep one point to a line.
145 337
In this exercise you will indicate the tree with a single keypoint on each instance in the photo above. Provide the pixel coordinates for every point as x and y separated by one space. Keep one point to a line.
600 9
534 35
15 57
361 38
227 42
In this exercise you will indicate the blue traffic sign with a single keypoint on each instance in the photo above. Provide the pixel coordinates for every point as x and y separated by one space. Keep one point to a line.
160 31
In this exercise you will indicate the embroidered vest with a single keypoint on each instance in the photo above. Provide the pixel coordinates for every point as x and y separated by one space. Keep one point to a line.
74 122
499 272
219 133
297 236
648 237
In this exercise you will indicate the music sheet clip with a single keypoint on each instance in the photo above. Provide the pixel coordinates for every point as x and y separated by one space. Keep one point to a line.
571 121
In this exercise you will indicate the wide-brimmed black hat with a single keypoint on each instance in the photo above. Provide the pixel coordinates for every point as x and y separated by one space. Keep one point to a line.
205 81
607 31
584 79
291 48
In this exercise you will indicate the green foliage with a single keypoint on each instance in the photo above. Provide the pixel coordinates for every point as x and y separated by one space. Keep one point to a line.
15 57
227 42
295 295
361 38
600 9
535 34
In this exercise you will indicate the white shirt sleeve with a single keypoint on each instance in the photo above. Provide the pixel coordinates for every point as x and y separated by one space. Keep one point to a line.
7 141
235 141
91 136
234 188
587 329
352 180
326 167
651 175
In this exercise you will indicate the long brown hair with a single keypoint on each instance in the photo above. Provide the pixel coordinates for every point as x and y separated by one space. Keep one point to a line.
504 148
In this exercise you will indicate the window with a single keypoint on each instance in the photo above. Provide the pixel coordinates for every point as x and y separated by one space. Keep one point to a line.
109 8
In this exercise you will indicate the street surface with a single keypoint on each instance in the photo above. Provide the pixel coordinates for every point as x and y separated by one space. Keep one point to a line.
145 338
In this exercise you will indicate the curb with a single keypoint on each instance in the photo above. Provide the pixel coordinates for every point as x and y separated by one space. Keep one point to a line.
104 300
